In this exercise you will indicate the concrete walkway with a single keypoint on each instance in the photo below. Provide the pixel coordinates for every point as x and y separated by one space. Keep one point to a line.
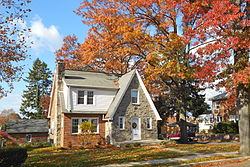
170 160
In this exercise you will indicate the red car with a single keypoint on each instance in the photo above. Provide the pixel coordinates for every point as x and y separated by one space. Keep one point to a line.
177 136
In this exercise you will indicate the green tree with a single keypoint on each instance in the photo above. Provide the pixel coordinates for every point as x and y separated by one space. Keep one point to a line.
183 97
38 87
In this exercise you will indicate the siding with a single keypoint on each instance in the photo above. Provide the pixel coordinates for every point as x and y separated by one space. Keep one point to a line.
102 100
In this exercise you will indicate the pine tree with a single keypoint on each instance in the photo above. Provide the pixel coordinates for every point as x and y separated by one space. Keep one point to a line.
38 87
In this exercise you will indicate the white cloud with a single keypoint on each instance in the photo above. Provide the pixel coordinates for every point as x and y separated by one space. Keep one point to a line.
44 38
12 101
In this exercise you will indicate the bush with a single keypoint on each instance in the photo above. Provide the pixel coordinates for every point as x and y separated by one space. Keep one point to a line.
128 145
13 157
226 128
162 143
137 144
36 145
11 144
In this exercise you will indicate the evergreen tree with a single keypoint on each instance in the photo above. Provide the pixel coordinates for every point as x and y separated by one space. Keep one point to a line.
38 87
182 98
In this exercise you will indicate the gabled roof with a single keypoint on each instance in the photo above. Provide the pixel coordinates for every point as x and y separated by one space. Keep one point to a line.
27 126
90 79
220 96
124 82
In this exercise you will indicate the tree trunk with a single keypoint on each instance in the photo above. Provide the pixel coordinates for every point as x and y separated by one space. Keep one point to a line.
243 99
183 130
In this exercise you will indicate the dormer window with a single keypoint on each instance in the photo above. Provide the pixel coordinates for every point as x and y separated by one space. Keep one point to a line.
134 96
80 97
90 97
85 97
217 105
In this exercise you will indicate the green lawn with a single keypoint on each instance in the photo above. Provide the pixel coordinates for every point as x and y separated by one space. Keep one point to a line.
206 148
56 157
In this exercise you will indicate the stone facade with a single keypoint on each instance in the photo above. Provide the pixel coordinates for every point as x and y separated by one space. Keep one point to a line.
109 131
128 110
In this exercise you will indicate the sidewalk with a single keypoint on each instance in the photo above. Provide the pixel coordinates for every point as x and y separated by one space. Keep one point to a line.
171 160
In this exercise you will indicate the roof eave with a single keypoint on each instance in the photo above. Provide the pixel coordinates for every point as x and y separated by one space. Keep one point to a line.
90 86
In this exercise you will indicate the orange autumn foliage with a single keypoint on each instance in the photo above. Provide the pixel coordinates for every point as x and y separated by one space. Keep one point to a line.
166 40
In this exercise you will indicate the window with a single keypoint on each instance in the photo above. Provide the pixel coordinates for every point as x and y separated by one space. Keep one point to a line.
134 96
28 138
76 122
122 122
95 124
90 97
217 105
85 97
149 123
219 119
80 97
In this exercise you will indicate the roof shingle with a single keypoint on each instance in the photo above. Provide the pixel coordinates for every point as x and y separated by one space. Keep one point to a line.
27 126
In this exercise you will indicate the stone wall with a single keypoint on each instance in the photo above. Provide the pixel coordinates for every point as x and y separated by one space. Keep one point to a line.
218 138
129 110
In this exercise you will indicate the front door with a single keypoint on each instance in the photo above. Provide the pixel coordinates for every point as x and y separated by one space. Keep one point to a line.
136 128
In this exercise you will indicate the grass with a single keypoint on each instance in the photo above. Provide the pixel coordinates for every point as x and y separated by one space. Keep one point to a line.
58 157
206 148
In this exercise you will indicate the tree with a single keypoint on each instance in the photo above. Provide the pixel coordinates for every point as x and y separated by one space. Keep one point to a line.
38 89
87 129
7 114
221 34
146 35
13 42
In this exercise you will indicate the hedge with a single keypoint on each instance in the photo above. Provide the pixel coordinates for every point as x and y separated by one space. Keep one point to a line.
12 157
226 128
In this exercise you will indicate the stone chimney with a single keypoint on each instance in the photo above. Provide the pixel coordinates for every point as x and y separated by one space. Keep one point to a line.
60 69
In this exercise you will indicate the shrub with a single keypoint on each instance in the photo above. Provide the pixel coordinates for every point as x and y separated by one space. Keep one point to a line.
226 128
162 143
137 144
36 145
70 145
13 156
11 144
128 145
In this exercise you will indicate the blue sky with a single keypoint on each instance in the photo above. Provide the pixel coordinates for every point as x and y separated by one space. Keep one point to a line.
50 21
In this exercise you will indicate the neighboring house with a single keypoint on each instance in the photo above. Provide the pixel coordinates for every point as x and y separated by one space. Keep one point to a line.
219 111
28 130
206 122
119 107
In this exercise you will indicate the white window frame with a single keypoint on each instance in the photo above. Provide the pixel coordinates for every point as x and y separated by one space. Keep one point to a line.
86 97
30 138
123 123
71 127
217 105
78 97
132 90
219 119
150 123
80 122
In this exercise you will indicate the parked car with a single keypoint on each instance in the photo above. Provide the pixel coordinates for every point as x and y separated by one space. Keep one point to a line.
177 136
